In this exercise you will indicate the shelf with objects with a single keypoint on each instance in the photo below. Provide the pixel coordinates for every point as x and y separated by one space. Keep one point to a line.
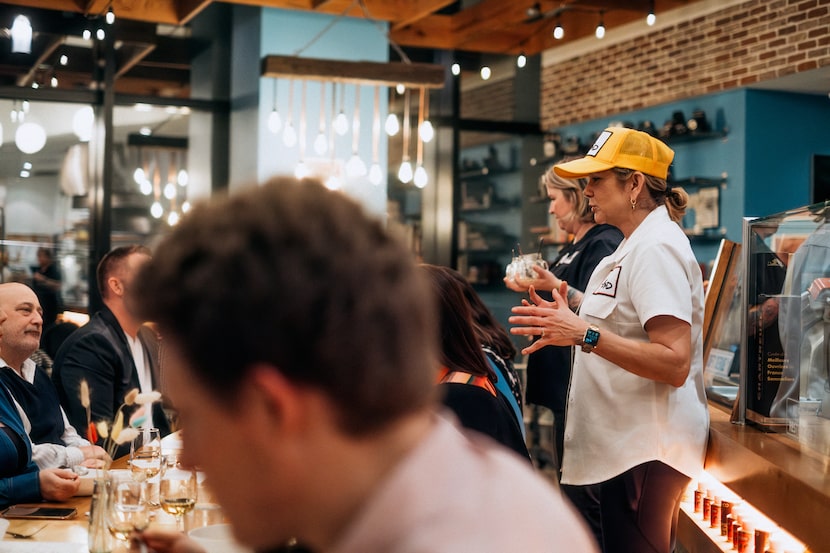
766 357
702 219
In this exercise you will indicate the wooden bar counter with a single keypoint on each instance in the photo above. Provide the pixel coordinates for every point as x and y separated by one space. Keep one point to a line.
786 481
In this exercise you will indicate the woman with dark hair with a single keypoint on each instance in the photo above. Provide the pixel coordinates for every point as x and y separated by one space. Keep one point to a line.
467 381
497 346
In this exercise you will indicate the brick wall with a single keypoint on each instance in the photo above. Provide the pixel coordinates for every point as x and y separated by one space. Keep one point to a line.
495 101
755 41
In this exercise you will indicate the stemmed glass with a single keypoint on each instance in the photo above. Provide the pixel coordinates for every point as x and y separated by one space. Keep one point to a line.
127 510
178 491
145 454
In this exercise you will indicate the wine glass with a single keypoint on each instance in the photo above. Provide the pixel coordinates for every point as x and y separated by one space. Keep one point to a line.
145 454
177 491
127 510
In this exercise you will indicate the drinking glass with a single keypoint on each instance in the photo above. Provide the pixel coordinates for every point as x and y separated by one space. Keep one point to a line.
145 454
127 510
178 491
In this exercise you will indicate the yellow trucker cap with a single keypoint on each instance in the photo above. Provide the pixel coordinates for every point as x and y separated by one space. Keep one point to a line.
621 147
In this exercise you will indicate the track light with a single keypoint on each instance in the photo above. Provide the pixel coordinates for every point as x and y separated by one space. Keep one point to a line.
651 18
558 31
600 32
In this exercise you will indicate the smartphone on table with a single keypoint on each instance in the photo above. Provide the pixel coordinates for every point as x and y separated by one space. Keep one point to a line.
35 511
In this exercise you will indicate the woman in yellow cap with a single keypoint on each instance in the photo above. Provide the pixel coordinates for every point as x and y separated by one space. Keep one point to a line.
637 421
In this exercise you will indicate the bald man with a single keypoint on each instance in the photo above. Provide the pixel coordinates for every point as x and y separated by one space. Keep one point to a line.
55 442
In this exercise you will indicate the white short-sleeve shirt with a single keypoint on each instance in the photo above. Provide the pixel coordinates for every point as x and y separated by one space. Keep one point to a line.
615 419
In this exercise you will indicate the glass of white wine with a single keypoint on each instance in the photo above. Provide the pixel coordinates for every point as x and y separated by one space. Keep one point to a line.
145 454
127 510
178 491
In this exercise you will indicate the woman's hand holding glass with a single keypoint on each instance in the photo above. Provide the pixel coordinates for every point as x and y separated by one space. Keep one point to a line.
545 280
178 491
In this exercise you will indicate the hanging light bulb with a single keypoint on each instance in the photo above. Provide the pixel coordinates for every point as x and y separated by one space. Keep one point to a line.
64 59
110 17
274 121
182 177
173 219
392 125
321 142
21 34
301 171
651 18
334 182
400 88
156 210
558 31
100 34
83 123
185 206
521 61
420 178
600 32
341 122
139 176
30 138
405 171
375 174
485 72
456 69
289 135
169 190
355 167
87 34
426 131
146 187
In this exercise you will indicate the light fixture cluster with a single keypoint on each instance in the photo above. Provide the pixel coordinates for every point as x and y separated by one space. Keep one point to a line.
162 174
337 120
599 32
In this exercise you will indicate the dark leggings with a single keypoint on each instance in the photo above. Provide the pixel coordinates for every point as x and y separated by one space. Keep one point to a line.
639 509
635 512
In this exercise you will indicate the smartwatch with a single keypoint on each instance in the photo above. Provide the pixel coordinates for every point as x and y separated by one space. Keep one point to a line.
591 338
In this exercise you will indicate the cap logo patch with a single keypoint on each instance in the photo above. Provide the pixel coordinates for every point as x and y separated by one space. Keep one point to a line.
601 140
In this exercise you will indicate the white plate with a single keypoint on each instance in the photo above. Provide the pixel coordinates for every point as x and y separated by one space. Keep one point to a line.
217 538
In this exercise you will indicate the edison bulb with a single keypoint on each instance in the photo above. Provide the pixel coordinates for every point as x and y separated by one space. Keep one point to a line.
375 174
341 124
274 122
139 176
182 177
333 182
420 179
301 171
172 218
355 167
485 73
289 135
146 187
169 190
156 210
405 172
185 206
425 131
392 125
456 69
321 144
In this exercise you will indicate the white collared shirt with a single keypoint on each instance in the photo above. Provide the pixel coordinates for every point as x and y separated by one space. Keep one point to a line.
142 367
617 420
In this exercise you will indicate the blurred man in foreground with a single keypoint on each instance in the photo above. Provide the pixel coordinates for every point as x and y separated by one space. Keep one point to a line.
303 362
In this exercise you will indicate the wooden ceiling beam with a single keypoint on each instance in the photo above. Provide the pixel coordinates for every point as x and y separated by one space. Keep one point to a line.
411 75
420 10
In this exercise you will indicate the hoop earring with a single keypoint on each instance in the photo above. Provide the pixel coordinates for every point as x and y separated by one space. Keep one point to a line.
633 204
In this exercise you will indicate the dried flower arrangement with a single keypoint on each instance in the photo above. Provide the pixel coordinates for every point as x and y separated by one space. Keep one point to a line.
117 433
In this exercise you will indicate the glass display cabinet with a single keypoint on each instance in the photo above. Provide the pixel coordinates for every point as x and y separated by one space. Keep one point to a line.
767 343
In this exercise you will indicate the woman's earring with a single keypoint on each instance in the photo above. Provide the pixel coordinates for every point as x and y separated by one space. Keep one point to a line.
633 204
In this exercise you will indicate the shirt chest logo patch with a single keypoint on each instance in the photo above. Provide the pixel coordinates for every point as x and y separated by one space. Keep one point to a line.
608 287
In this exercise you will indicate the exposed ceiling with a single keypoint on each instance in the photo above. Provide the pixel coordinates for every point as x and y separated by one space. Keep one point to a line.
154 49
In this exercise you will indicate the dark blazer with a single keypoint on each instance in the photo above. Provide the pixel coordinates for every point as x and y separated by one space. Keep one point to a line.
99 352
